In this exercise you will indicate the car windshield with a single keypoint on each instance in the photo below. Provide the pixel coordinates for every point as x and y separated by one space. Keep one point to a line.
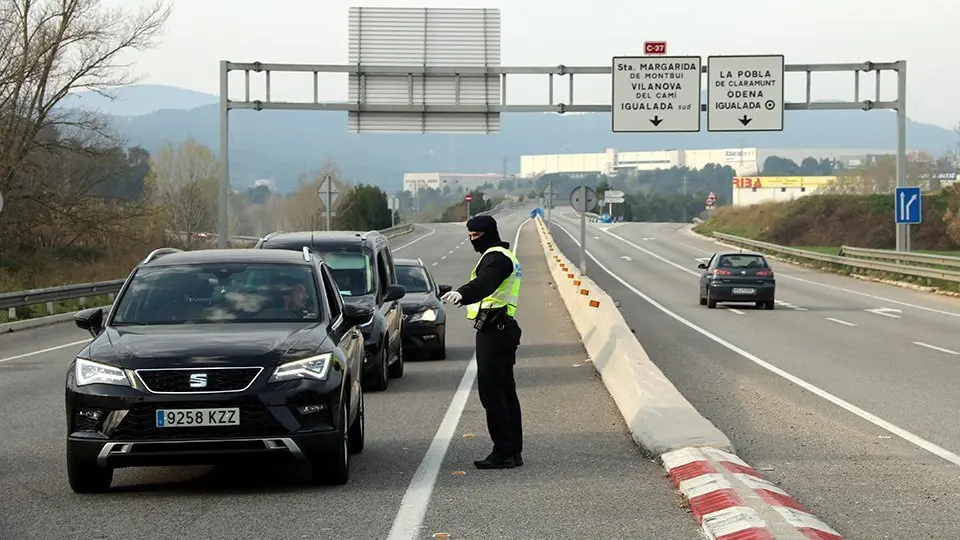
221 293
742 261
414 279
352 271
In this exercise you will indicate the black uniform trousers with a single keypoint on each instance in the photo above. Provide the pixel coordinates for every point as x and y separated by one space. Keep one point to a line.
496 355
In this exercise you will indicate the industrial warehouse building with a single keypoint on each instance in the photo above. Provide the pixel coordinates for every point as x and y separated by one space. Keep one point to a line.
440 180
745 161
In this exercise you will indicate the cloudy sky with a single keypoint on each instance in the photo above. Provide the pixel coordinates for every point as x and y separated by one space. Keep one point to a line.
543 32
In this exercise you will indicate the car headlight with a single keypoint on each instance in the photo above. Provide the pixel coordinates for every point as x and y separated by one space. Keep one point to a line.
314 367
427 315
88 372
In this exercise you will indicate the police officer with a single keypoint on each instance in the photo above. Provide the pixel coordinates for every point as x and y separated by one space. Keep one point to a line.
491 298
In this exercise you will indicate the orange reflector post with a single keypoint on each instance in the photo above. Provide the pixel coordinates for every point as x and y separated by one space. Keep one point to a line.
570 276
594 303
576 282
584 292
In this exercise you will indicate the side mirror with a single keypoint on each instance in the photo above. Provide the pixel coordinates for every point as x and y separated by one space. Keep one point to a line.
394 292
356 315
90 319
702 266
444 289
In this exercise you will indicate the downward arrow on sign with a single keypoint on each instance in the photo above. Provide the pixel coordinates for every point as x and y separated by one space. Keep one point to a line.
745 120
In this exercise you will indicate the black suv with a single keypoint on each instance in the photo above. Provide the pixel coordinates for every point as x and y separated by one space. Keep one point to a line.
362 265
213 355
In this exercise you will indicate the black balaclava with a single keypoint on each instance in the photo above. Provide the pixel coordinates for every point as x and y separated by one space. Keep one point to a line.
488 226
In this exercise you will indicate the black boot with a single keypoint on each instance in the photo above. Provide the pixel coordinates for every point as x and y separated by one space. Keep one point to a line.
495 461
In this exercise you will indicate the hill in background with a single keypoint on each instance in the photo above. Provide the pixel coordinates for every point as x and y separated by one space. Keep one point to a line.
283 144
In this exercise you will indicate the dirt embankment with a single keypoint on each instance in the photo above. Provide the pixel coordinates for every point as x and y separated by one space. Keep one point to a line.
834 220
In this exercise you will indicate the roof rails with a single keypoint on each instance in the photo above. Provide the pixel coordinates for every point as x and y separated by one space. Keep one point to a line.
372 231
270 235
160 252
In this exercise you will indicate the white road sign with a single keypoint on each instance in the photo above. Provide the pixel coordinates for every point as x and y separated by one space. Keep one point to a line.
614 200
612 193
745 93
325 184
656 94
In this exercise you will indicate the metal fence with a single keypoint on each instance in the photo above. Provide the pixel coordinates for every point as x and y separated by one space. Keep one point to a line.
876 260
13 300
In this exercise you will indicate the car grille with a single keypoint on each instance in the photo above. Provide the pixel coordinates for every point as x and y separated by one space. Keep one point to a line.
141 423
216 380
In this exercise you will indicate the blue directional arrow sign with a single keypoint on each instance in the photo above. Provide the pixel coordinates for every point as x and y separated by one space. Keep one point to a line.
907 205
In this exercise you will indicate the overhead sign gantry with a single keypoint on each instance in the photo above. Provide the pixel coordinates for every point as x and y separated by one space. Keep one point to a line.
447 78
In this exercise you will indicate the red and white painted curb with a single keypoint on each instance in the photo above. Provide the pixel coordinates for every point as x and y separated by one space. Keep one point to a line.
732 501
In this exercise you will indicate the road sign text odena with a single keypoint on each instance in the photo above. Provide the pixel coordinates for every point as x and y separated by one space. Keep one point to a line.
749 190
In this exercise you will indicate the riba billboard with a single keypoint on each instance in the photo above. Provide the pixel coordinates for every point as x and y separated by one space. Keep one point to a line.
759 182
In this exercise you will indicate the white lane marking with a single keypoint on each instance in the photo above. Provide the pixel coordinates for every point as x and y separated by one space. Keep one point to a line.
417 239
42 351
413 506
450 252
434 264
838 321
847 406
650 253
844 289
885 312
442 258
934 347
737 311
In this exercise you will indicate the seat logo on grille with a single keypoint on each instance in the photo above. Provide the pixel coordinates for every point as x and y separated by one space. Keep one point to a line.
198 380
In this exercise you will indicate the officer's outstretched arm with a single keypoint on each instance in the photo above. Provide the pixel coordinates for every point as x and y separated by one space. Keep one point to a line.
494 267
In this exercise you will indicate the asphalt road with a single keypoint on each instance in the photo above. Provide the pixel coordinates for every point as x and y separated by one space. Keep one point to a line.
845 394
583 477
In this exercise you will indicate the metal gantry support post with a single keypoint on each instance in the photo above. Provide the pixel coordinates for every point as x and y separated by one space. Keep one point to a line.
224 155
903 230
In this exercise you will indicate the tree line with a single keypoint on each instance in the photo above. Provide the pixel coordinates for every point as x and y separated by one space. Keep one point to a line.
82 204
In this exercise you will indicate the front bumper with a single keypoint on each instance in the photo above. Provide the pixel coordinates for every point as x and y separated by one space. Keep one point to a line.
423 336
117 426
141 453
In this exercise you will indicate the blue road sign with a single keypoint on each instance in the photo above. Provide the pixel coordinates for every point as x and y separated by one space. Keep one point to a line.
907 205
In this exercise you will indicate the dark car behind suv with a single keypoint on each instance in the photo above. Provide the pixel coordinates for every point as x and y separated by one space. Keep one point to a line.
424 318
362 265
212 355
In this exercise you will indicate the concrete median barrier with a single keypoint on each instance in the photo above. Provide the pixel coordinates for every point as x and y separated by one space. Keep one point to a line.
659 417
728 498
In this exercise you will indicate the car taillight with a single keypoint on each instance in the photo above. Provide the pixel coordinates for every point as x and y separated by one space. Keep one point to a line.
765 273
719 272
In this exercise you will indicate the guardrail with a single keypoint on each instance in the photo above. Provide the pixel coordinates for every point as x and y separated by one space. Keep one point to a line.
888 267
901 256
13 300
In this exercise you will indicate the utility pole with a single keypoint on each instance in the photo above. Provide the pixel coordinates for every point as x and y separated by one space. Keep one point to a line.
503 175
684 197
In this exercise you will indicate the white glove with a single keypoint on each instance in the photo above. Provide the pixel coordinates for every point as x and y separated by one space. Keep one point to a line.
452 297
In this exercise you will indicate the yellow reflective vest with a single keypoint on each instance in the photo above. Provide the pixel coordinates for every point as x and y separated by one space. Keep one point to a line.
507 294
